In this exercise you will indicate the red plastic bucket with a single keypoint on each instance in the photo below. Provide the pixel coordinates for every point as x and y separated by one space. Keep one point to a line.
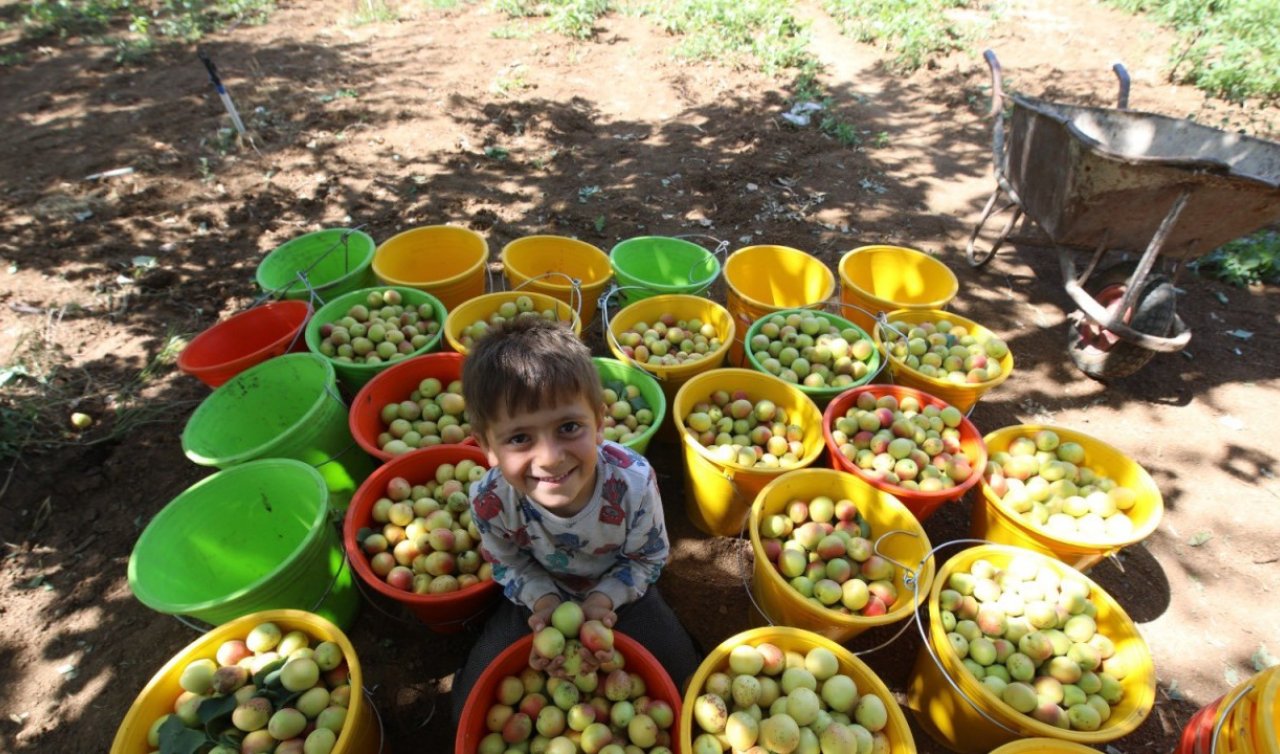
392 385
442 613
921 504
1247 719
236 343
515 658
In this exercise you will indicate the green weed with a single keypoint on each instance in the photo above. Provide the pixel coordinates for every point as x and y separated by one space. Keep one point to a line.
735 31
571 18
374 12
1228 48
913 30
146 24
1244 261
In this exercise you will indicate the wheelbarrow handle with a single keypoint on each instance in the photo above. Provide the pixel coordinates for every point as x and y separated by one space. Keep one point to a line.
1122 73
997 83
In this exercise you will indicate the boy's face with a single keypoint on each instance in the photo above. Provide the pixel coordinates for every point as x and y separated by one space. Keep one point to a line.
548 455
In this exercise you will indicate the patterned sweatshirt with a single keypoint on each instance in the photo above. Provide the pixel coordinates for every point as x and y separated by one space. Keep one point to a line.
616 545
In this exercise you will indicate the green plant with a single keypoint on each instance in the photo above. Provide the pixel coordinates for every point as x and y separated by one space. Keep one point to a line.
572 18
913 30
1244 261
374 12
1228 48
736 31
186 20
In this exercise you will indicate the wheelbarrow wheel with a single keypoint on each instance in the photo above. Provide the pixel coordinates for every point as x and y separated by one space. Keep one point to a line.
1100 353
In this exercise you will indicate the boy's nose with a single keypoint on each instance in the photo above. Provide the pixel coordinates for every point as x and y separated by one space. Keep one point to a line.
549 455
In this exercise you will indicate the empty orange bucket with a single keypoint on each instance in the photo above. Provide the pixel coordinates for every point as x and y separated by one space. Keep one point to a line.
446 261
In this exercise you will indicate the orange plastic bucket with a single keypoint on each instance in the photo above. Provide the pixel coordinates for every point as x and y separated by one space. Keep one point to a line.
764 279
515 658
921 504
242 340
908 545
446 261
571 270
442 613
393 385
876 279
361 733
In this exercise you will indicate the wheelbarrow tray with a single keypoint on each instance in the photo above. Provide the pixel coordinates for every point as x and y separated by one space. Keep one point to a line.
1091 176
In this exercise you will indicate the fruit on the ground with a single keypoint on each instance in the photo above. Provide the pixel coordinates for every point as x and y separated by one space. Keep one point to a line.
520 306
944 350
787 707
380 330
628 414
1028 633
433 414
808 349
734 428
1050 485
266 689
669 341
904 443
421 537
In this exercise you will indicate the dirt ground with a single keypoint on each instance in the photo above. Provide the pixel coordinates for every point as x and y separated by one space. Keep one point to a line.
386 126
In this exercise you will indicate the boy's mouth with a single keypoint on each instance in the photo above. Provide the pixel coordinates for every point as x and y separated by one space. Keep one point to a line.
552 479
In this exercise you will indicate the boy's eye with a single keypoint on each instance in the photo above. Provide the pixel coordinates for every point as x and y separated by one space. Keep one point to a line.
569 428
520 439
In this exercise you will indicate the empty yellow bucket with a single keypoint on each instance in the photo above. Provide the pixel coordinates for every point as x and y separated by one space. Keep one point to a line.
571 270
908 546
995 521
482 307
876 279
962 395
718 495
361 733
446 261
970 718
794 640
764 279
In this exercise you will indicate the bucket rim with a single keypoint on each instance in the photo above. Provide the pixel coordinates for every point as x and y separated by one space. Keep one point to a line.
514 246
745 376
388 247
309 476
790 250
916 315
364 396
952 668
1007 433
211 401
821 392
694 285
924 575
841 403
304 309
848 257
325 314
359 513
273 257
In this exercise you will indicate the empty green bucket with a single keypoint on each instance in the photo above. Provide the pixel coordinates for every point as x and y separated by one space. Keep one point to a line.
652 265
333 262
286 407
253 537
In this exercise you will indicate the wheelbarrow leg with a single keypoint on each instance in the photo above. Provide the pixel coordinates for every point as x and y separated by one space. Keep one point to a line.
977 257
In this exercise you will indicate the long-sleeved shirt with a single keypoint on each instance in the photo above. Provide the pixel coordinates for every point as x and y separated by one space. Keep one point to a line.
616 545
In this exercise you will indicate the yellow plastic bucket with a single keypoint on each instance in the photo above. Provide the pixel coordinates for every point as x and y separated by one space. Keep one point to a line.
446 261
571 270
361 734
764 279
718 495
682 307
908 546
481 307
1043 746
961 395
995 521
795 640
876 279
970 718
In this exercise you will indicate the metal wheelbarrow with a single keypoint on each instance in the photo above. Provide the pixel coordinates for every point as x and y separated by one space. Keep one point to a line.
1102 179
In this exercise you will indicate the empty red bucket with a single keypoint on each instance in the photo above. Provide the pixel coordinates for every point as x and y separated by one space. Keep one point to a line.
242 340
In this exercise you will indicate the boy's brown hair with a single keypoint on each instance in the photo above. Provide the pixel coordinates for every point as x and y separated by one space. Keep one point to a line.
523 364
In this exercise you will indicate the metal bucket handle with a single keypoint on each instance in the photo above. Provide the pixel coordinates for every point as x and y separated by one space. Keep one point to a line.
302 274
612 339
1222 716
575 293
721 250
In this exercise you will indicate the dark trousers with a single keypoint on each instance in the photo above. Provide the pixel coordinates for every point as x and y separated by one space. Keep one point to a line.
648 620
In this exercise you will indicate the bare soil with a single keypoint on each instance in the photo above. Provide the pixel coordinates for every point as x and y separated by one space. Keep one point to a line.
386 126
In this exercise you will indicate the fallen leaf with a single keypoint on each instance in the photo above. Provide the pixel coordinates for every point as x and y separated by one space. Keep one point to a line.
1222 297
1232 675
1262 659
32 582
1199 538
1241 334
1174 693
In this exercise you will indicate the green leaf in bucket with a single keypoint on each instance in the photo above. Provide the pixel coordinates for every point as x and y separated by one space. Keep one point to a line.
260 677
215 707
176 738
638 403
617 386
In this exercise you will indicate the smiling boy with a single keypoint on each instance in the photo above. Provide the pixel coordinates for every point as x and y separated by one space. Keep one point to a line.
563 514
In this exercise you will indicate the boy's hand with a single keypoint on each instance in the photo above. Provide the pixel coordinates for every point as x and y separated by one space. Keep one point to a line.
542 609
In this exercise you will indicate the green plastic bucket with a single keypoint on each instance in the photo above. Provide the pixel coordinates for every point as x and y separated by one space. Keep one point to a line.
333 262
612 370
252 537
286 407
653 265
